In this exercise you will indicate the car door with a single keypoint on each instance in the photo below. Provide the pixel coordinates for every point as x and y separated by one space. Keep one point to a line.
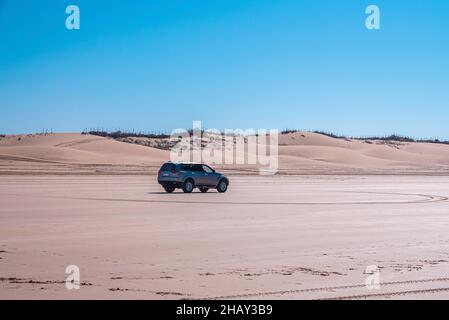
210 178
199 175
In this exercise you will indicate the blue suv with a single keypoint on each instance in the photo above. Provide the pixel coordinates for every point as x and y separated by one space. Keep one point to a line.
189 176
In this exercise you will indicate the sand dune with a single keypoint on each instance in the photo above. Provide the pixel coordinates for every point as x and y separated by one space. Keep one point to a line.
364 155
75 148
300 152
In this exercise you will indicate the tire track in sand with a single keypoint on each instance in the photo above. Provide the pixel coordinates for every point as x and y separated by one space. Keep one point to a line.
426 199
390 294
339 288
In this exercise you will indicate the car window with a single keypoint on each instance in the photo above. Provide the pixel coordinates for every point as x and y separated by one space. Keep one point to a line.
207 169
186 167
168 167
198 168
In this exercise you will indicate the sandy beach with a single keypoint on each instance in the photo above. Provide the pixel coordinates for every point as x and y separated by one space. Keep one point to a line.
283 237
335 208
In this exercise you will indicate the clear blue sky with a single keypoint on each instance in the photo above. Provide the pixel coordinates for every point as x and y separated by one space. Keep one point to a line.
158 65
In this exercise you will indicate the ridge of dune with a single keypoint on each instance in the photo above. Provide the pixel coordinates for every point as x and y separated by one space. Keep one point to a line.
369 155
76 148
298 152
311 139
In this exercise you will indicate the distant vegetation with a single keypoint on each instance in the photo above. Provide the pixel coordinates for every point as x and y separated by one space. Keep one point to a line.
399 138
331 135
124 134
288 131
393 137
324 133
152 135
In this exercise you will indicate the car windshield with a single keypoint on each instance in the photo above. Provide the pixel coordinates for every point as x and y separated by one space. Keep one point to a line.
207 169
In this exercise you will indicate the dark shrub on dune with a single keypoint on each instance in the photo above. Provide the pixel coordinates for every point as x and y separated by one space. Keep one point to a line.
122 134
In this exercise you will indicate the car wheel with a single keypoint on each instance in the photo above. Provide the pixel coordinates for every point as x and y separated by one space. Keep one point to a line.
204 189
222 186
169 189
188 186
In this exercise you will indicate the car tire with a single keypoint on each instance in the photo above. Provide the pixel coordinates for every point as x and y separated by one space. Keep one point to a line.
204 189
188 186
222 186
169 189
